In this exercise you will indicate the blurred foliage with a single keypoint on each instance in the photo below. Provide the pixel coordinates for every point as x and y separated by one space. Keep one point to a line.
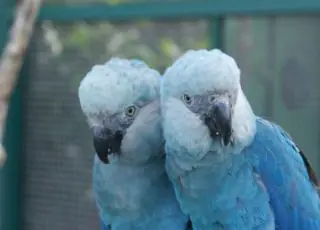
158 44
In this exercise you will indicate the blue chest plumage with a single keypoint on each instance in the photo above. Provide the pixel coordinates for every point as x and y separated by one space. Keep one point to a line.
136 199
221 192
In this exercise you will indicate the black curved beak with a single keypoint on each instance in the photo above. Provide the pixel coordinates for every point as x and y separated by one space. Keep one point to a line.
106 142
218 120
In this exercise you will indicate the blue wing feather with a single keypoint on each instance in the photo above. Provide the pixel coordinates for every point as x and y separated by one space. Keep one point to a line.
282 167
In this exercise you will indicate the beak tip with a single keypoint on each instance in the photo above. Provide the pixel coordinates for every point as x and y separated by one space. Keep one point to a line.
103 159
226 140
105 145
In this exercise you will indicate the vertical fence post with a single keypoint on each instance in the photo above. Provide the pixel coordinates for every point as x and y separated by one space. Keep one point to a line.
10 174
217 33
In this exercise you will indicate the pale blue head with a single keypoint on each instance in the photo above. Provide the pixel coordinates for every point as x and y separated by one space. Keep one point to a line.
121 102
202 99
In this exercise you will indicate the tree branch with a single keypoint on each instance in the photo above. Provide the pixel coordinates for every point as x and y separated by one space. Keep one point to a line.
12 58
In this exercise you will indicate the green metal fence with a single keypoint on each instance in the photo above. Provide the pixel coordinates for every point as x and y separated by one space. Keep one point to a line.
46 181
10 174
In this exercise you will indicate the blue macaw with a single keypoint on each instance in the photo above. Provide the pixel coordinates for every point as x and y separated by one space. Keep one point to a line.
231 169
121 102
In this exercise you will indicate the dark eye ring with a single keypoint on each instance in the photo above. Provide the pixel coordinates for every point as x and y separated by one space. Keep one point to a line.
131 111
187 99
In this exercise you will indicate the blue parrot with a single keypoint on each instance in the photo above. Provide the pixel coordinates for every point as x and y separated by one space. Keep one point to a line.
121 102
231 169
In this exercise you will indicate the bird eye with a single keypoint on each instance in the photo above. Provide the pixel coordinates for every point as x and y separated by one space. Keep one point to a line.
187 99
131 111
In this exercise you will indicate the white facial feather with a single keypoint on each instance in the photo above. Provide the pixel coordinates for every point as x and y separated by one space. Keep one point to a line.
207 70
198 73
243 121
183 127
109 88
